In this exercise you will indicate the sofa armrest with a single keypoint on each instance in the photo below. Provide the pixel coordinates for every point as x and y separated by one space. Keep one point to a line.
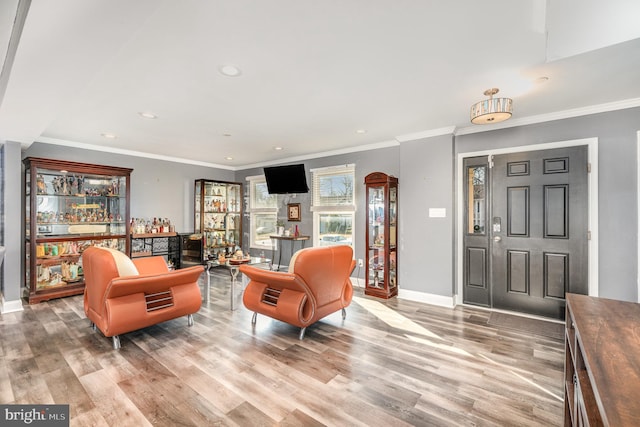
277 279
152 283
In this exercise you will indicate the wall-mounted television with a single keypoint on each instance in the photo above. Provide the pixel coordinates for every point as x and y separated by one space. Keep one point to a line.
286 179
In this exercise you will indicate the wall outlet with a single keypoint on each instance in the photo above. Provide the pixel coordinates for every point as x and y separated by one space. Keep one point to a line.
360 263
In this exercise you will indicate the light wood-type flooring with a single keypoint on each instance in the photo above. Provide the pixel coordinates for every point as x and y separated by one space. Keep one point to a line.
390 363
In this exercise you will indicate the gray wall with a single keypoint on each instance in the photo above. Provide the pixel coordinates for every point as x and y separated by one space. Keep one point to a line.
158 188
382 160
13 199
426 243
618 196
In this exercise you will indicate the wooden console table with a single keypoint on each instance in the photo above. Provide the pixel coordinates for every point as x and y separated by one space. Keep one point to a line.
291 239
602 367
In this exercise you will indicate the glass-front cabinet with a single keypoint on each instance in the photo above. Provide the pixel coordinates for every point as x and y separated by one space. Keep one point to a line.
218 217
382 235
70 206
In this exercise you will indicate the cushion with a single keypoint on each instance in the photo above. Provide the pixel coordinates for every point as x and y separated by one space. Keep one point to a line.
125 266
294 258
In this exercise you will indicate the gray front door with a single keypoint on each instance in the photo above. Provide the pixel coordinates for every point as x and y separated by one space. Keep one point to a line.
536 232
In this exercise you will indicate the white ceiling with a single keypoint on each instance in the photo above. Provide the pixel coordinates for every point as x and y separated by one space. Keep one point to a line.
313 71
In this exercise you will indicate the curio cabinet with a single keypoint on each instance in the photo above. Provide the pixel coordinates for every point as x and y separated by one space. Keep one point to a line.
382 235
68 207
218 217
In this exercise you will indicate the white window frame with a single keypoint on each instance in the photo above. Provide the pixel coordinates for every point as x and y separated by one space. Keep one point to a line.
254 211
319 209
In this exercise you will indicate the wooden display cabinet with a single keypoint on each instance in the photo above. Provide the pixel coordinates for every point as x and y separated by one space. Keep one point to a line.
218 216
602 356
382 234
68 207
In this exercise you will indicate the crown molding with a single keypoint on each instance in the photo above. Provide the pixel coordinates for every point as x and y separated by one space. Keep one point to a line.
449 130
55 141
367 147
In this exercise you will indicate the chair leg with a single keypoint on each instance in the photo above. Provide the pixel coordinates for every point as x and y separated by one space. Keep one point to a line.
116 342
344 314
302 331
190 319
253 318
94 327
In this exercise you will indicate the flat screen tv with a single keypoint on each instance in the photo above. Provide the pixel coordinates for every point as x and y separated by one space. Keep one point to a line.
286 179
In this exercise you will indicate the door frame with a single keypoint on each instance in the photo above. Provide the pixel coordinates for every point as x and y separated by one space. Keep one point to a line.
592 155
638 197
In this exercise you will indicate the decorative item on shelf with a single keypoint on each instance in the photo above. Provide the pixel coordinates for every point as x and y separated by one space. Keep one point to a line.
293 212
159 225
492 110
296 233
279 227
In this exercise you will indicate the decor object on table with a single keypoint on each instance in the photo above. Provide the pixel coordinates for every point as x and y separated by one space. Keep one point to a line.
122 295
492 110
293 212
316 285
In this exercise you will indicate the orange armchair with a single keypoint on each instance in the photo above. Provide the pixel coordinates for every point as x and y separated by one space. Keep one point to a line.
316 285
122 295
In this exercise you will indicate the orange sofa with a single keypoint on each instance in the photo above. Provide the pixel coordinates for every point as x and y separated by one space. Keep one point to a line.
122 295
316 285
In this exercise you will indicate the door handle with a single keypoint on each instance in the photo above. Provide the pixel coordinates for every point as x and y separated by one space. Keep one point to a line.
497 238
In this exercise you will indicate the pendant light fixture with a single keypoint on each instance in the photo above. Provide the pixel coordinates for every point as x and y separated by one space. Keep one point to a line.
492 110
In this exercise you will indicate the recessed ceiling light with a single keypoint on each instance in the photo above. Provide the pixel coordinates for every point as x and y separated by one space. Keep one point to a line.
230 70
361 131
229 158
277 148
147 115
109 136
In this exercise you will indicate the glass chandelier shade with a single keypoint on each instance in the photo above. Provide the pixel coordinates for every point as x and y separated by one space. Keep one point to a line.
492 110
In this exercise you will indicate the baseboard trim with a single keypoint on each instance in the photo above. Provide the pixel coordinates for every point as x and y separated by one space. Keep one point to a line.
433 299
10 306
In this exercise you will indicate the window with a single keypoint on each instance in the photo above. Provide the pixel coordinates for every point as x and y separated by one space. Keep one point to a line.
333 205
263 211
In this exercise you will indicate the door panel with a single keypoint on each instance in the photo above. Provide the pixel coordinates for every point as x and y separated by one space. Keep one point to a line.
477 261
476 233
542 254
518 211
556 274
518 272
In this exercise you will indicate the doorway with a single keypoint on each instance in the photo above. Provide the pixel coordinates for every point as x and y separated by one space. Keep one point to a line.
525 227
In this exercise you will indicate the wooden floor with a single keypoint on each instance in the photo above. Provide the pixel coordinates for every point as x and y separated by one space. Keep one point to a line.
392 362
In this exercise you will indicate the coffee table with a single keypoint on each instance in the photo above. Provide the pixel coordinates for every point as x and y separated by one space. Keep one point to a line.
234 270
